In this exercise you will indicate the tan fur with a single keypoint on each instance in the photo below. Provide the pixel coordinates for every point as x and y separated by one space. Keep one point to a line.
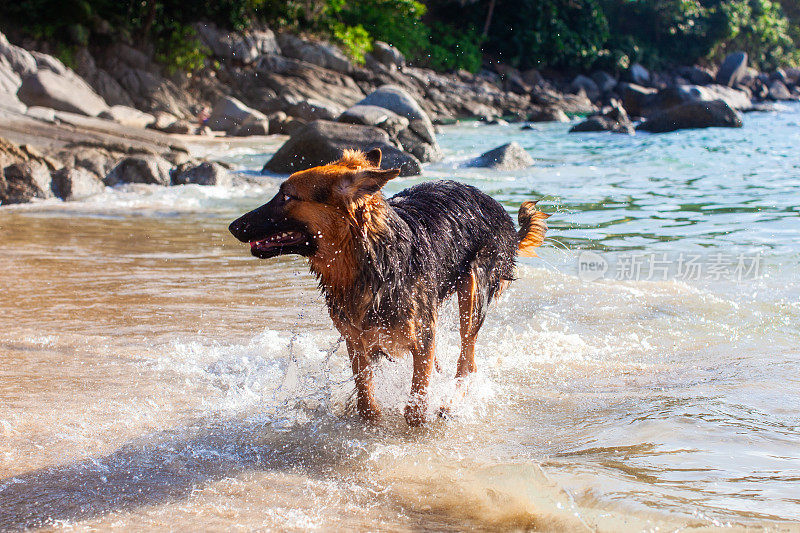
532 229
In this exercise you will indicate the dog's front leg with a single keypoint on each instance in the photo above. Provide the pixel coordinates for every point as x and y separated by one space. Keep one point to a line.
423 353
362 372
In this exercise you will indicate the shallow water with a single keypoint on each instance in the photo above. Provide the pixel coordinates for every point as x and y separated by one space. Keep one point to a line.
152 373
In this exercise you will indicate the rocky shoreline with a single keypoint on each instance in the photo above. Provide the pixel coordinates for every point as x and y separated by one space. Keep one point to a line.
115 117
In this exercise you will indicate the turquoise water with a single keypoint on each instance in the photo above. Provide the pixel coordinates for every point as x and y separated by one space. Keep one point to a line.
643 373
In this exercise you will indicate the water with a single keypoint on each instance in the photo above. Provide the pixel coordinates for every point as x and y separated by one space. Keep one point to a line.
152 373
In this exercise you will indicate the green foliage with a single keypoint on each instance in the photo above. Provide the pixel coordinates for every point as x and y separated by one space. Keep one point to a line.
759 28
178 48
452 49
442 34
354 39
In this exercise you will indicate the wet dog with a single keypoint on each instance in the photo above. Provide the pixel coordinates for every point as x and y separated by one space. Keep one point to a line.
386 265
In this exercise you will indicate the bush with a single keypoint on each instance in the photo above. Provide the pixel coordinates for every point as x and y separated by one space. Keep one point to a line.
354 39
178 48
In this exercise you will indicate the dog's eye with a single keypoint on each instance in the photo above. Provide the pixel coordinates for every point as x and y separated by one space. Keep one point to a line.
286 197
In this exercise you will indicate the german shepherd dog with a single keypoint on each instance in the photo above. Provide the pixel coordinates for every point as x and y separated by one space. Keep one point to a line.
386 266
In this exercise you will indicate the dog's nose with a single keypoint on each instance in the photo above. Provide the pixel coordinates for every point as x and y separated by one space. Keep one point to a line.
240 229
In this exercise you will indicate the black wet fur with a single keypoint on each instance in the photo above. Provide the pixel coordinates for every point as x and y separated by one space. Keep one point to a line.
436 232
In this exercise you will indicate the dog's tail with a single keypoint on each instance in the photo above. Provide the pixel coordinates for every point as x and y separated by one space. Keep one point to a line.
532 226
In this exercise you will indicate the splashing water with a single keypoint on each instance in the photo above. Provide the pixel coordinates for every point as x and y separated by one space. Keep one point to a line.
153 373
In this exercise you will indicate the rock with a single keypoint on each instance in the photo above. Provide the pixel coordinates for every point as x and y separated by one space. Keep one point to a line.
396 99
229 113
321 142
293 125
764 108
639 75
309 110
25 181
181 127
532 77
682 94
140 169
234 46
9 80
21 61
420 129
696 75
586 84
127 116
615 120
691 115
62 93
548 114
161 120
605 81
509 156
321 54
512 79
44 114
251 126
733 69
779 91
370 115
571 104
96 160
48 62
387 55
206 173
74 183
637 99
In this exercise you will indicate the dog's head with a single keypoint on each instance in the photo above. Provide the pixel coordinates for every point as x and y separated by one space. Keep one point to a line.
315 208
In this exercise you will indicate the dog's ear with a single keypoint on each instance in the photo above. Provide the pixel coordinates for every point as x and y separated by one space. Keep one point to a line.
374 157
369 181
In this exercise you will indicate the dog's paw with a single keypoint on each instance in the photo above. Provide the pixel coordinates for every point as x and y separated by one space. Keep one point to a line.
415 415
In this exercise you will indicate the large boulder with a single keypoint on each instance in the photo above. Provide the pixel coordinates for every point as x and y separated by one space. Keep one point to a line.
615 120
692 115
605 81
733 69
128 116
311 109
229 113
321 53
509 156
585 84
234 46
779 91
251 126
639 75
140 169
321 142
547 114
696 75
681 94
419 138
74 183
571 104
637 99
371 115
63 93
9 81
25 181
387 55
206 173
22 62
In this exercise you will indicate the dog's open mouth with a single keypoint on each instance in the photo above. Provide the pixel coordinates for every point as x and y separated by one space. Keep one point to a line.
284 242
